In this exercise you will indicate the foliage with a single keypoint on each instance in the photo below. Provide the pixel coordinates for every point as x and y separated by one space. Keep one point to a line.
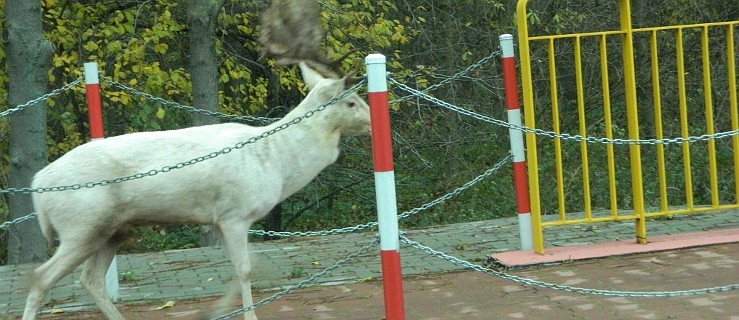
158 238
143 45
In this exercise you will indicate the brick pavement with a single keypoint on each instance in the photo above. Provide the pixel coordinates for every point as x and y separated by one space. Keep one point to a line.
206 271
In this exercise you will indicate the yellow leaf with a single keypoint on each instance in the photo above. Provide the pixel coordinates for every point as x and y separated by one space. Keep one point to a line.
58 61
370 278
169 304
124 99
57 310
90 46
315 263
161 48
160 113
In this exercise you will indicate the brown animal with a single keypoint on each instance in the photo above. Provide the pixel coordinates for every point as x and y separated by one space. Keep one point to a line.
291 32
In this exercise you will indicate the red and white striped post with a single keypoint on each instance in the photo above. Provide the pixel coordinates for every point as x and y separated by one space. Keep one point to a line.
387 210
95 114
94 108
517 146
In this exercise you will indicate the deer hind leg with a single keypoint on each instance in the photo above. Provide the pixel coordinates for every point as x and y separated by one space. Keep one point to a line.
235 236
93 277
66 258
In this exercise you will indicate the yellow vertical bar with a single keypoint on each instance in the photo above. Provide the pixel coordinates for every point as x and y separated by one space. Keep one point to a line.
637 187
611 162
657 99
708 99
583 129
682 100
731 72
527 92
556 127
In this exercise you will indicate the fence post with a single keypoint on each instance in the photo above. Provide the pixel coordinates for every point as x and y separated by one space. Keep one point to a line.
95 113
387 211
516 138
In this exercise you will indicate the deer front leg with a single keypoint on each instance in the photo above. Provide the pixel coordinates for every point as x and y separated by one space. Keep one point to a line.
235 238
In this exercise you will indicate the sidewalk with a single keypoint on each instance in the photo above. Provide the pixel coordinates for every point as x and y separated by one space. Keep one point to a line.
206 272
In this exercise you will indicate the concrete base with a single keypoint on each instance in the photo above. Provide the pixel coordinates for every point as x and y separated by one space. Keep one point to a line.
615 248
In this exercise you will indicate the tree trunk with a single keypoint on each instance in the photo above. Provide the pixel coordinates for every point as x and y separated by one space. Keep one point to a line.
202 18
28 62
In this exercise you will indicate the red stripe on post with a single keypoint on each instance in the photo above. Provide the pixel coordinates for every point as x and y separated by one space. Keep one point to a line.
510 83
392 285
381 139
522 188
95 111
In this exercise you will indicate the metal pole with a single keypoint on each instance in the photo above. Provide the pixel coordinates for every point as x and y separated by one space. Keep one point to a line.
508 62
387 211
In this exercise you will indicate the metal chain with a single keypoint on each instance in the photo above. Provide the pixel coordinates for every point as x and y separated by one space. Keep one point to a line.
289 234
458 190
542 284
564 136
41 98
176 105
455 77
360 227
181 165
304 283
7 224
404 215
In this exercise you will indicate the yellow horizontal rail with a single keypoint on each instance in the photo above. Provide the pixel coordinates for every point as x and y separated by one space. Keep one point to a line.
631 216
635 30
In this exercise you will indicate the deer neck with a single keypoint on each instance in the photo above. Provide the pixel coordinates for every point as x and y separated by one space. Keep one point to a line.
318 130
317 141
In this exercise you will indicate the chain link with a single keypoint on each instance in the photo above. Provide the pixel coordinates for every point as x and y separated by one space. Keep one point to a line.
542 284
172 104
47 96
304 283
455 77
404 215
7 224
458 190
181 165
564 136
289 234
364 226
335 231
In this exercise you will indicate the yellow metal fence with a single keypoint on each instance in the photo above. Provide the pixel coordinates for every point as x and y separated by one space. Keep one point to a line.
680 83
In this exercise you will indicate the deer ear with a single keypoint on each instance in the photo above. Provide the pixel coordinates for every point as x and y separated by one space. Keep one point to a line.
310 76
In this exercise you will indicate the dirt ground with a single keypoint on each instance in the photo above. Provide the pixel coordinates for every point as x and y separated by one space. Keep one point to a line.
476 295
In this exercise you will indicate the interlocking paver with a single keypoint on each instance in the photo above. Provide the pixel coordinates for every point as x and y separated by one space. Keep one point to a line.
206 271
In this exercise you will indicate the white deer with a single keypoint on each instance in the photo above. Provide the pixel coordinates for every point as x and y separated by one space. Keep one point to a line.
230 191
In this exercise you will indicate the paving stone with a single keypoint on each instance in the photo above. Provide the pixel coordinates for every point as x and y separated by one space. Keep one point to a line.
202 272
